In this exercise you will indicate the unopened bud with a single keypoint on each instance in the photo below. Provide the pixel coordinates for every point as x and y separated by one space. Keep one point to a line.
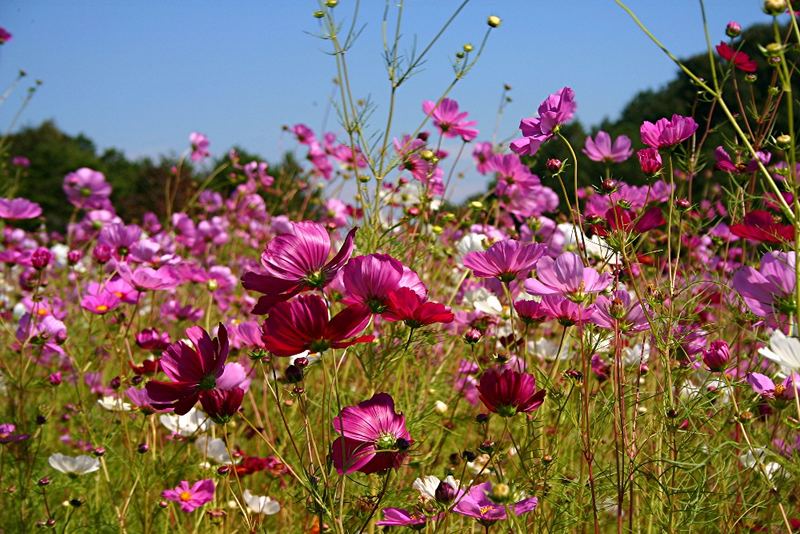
733 29
493 21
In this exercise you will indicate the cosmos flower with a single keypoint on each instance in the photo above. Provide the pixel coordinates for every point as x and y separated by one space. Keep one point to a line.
739 59
199 143
602 149
73 465
556 110
87 189
369 279
260 504
405 305
566 276
448 120
505 260
487 503
191 497
373 437
620 311
769 291
666 133
509 392
16 209
783 350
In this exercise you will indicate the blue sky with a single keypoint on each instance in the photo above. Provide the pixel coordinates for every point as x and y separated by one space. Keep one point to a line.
141 75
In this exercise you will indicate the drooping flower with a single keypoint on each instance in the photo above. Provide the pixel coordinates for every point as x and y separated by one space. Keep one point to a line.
73 465
405 305
448 120
373 437
369 279
487 504
739 59
8 434
769 291
556 110
505 260
601 148
199 143
191 497
509 392
566 276
17 209
304 324
296 261
87 189
667 133
195 369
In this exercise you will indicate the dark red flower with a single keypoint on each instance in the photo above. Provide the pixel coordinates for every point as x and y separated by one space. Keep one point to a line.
739 59
403 304
509 392
761 226
304 324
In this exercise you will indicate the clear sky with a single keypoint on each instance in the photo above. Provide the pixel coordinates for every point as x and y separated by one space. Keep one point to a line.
140 75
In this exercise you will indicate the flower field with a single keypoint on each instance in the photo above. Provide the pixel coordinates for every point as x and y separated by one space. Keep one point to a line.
605 350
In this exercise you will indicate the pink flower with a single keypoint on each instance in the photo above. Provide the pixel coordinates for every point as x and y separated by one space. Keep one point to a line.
369 279
505 260
482 154
15 209
566 276
509 392
620 311
717 355
601 149
303 324
556 110
565 311
450 122
765 387
478 504
195 368
296 262
400 517
199 143
87 189
98 299
666 133
191 498
5 36
373 437
405 305
145 278
768 291
650 161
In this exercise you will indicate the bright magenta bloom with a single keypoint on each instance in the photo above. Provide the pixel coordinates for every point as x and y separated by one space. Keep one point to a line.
666 133
620 311
601 149
191 498
405 305
296 261
566 276
556 110
369 279
200 144
87 189
566 311
373 437
650 161
400 517
477 503
509 392
768 291
194 370
303 324
450 122
98 299
505 260
15 209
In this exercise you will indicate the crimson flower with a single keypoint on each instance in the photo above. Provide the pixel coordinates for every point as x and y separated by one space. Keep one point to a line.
405 305
195 369
296 261
509 392
304 324
740 60
760 225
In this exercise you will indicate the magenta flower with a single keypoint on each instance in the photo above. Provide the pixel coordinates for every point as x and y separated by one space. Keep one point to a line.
98 299
566 276
505 260
620 312
87 189
765 387
667 133
769 291
199 143
373 437
716 356
145 278
601 149
566 311
303 323
400 517
477 503
650 161
15 209
450 122
191 498
368 281
556 110
296 261
5 36
482 154
509 392
195 368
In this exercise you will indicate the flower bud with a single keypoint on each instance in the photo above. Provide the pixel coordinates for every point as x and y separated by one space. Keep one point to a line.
212 285
750 78
608 185
293 374
223 470
493 21
683 203
319 14
476 205
775 7
143 448
44 481
553 164
74 256
427 154
650 161
468 455
472 336
99 451
468 47
40 258
733 29
716 356
783 141
440 407
102 253
332 3
444 493
500 493
482 418
55 378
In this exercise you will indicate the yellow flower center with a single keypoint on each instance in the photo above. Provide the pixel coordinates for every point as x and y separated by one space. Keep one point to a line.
185 496
42 311
101 308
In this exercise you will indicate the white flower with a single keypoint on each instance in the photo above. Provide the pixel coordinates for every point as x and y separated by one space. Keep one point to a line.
114 404
440 407
783 350
547 349
636 355
260 504
751 461
194 421
483 301
312 357
214 449
74 465
480 464
470 243
426 486
595 246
